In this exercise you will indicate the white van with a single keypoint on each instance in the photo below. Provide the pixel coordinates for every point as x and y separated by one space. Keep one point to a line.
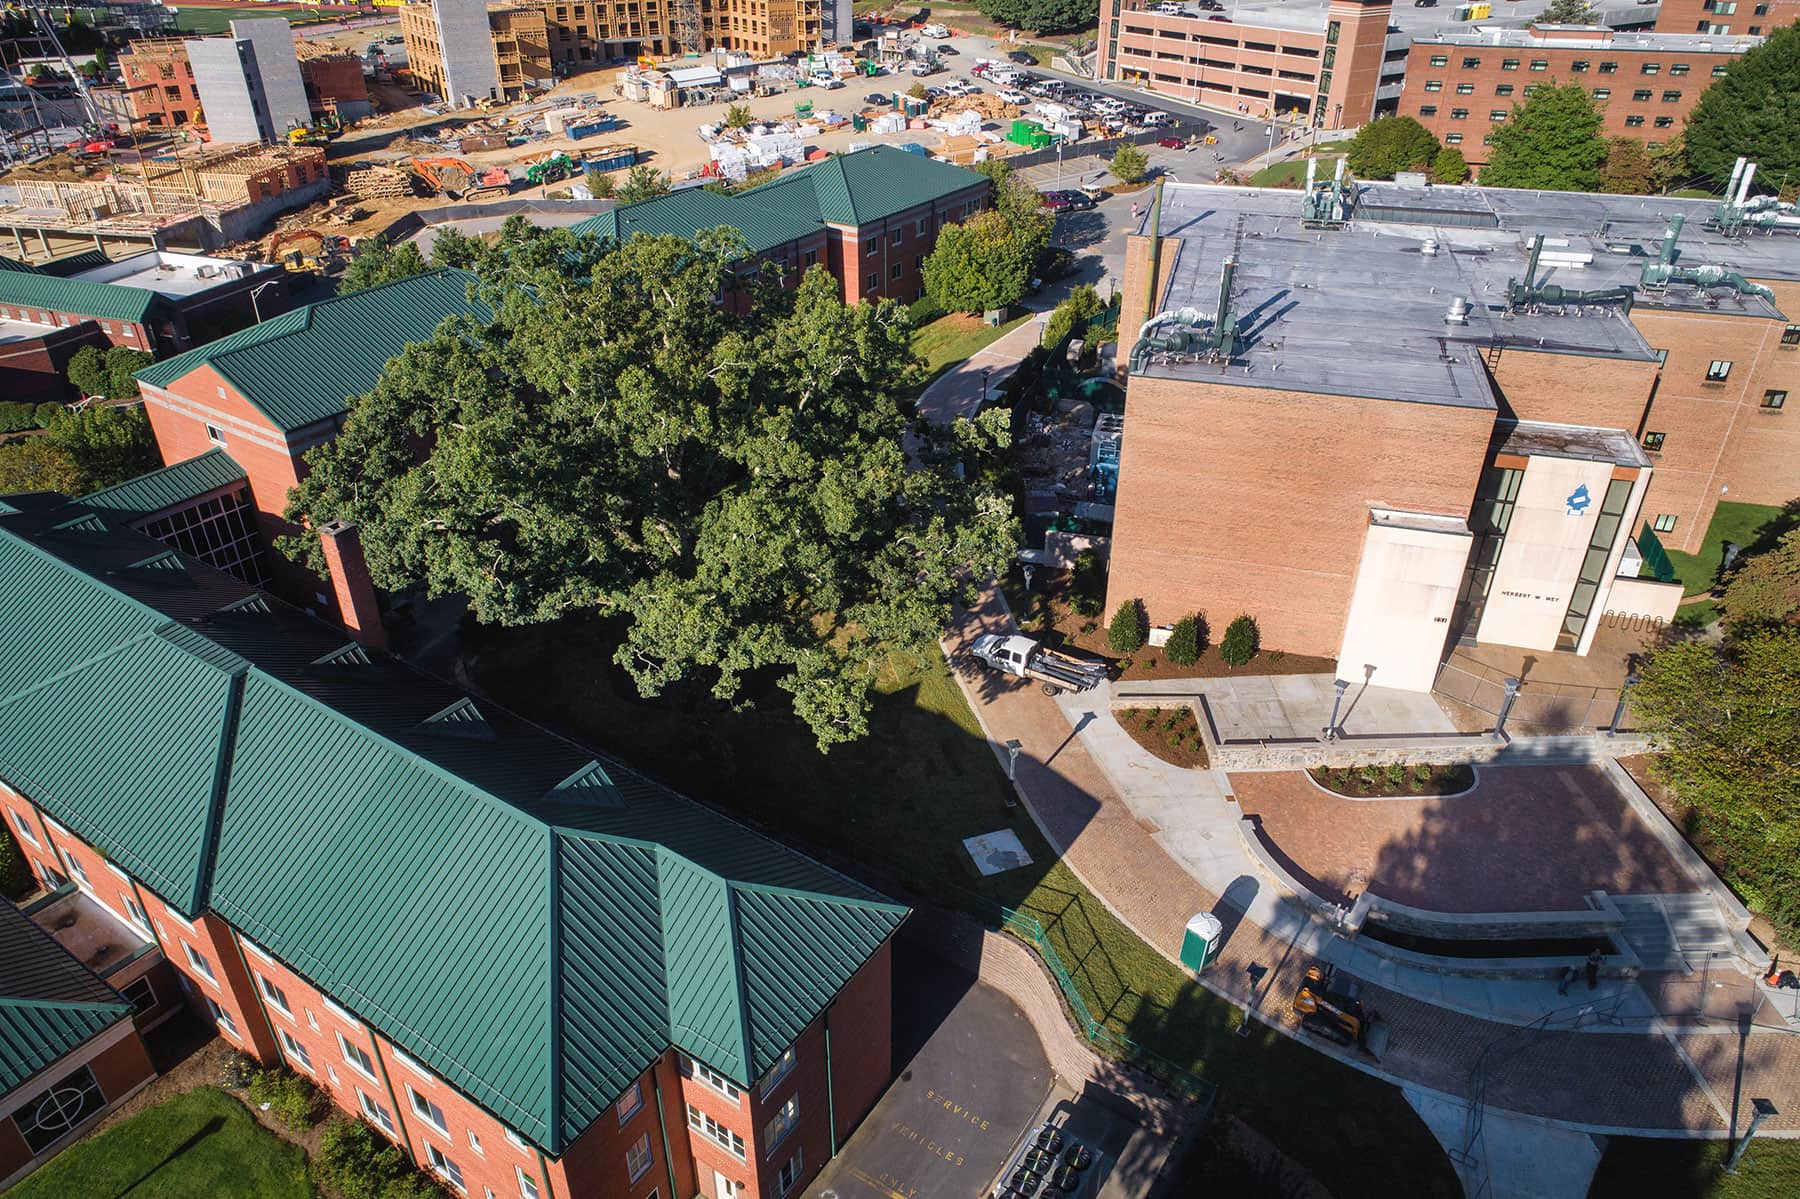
935 31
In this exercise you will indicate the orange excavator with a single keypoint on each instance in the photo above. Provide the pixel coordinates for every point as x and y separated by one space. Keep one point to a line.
297 259
460 180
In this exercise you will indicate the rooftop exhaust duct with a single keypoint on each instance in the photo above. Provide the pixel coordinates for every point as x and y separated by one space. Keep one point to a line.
1658 275
1529 295
1188 334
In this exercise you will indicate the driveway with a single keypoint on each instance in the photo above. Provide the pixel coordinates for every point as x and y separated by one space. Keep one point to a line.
972 1078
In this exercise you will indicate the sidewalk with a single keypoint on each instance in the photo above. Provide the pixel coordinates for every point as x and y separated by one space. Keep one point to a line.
1639 1078
958 391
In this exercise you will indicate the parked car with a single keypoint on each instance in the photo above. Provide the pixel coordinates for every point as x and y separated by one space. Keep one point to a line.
1015 98
936 93
952 51
1055 201
1159 118
879 99
1022 58
829 84
1076 201
1170 143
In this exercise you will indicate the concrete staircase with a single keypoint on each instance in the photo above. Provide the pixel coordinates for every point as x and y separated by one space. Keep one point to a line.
1672 932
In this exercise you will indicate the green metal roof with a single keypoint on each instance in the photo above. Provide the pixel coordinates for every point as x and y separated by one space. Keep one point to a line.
169 486
846 189
102 301
564 919
50 1003
301 367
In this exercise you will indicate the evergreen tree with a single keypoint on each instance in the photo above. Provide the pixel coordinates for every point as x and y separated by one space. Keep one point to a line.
1450 166
1551 142
1753 111
1240 642
1127 632
1388 145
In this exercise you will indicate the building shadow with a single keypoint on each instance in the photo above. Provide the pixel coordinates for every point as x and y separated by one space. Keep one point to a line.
1233 905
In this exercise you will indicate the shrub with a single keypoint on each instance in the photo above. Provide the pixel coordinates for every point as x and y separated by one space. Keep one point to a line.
1239 645
358 1163
43 414
1083 604
16 418
600 185
291 1099
1130 164
1127 632
236 1070
1184 642
15 875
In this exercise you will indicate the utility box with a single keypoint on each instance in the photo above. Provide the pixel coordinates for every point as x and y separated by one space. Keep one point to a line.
1029 134
1200 944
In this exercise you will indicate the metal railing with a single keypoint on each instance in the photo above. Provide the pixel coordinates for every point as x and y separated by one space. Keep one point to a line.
1184 1083
1541 707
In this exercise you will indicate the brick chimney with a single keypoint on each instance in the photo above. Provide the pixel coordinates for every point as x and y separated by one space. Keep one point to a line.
351 584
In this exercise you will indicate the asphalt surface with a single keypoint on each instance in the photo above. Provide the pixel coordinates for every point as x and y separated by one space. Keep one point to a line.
972 1079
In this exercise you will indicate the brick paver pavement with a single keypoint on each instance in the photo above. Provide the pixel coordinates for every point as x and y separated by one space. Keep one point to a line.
1620 1078
1527 838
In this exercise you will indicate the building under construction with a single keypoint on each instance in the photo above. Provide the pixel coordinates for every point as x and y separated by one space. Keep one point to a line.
203 201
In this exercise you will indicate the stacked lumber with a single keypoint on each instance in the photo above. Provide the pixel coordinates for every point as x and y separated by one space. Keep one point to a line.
378 183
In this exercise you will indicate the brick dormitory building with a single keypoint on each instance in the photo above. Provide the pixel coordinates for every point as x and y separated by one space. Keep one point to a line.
1429 426
538 973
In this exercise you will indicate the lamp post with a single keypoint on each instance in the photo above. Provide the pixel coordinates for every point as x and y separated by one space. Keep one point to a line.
1761 1110
985 372
1512 693
256 291
1338 687
1624 692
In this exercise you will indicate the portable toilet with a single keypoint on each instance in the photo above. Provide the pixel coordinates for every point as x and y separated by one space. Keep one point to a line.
857 124
1201 942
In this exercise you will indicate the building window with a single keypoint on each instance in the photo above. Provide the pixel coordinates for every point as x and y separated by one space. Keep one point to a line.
897 270
1661 123
781 1123
24 826
772 1077
135 912
1642 93
356 1058
715 1132
897 237
1434 85
415 1067
920 227
1497 115
1579 66
1453 139
874 283
790 1174
75 869
140 994
1603 93
637 1158
1650 68
1608 68
1654 441
1593 565
1428 110
811 258
1503 89
702 1072
58 1110
377 1114
426 1110
1634 122
1718 70
1773 400
518 1142
1459 114
335 1009
475 1144
275 995
1718 371
221 1017
631 1102
198 961
1672 97
528 1187
1471 64
1678 68
1509 64
447 1169
1465 89
874 247
295 1051
1440 60
214 435
1664 523
1790 336
1540 64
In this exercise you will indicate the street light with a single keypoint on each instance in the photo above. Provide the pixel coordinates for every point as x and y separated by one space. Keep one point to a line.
1762 1109
1012 759
1624 691
1512 693
985 372
1339 686
256 291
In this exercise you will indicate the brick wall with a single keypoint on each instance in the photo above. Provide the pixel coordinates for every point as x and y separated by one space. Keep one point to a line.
120 1064
596 1162
882 260
862 1048
1751 16
1569 389
1265 512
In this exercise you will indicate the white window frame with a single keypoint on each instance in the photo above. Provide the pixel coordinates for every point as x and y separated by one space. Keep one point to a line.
24 827
446 1169
648 1159
120 874
201 966
415 1100
76 870
222 1018
377 1115
341 1013
788 1117
401 1057
784 1065
1718 370
273 995
528 1187
256 951
715 1132
635 1094
475 1143
345 1049
178 918
134 912
790 1170
518 1142
294 1051
710 1078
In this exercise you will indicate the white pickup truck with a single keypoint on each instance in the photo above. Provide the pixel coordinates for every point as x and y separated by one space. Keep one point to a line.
935 31
1027 659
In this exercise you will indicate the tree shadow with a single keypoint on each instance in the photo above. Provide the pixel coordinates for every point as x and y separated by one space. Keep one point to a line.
214 1125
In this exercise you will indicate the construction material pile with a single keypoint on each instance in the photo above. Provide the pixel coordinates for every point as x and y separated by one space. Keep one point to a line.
378 183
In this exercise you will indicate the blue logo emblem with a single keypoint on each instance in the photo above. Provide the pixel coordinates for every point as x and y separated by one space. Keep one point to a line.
1578 500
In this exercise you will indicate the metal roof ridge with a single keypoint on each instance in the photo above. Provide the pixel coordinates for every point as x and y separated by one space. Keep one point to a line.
741 988
887 905
67 1005
186 464
553 1119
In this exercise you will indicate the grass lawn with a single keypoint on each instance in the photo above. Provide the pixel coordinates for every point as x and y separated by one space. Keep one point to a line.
1291 173
949 339
1743 523
200 1145
1640 1166
895 808
1042 55
218 20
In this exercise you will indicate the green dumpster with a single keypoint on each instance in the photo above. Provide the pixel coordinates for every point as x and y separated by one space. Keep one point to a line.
1200 944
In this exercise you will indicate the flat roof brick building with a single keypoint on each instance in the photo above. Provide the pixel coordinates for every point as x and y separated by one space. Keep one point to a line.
532 968
1429 425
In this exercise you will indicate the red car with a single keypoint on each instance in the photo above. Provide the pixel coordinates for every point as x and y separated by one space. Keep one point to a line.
1055 201
1170 143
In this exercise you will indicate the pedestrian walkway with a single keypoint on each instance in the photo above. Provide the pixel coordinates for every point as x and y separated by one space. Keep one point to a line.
1298 707
960 390
1640 1077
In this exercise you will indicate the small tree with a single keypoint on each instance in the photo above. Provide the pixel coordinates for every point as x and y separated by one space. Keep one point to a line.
1750 112
1449 166
916 91
1568 12
1552 141
122 365
379 261
1183 648
738 116
1082 303
107 445
1127 632
1240 642
979 265
1765 589
643 183
36 465
87 371
600 185
1130 164
1627 170
1388 145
